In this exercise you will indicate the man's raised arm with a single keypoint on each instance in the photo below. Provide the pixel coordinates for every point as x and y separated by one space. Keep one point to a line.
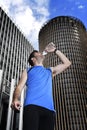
61 67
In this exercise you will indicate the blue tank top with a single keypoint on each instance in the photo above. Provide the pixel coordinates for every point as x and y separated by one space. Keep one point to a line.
39 87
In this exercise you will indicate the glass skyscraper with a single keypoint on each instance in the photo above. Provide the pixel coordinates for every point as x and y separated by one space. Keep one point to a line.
69 88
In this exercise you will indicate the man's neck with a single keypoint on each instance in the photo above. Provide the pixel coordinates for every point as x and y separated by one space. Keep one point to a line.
38 64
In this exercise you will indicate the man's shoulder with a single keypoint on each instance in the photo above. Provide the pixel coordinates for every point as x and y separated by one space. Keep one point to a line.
49 69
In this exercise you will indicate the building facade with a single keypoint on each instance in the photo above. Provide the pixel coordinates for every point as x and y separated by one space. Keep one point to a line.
69 88
14 52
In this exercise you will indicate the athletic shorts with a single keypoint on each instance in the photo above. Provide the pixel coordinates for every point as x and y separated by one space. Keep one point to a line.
38 118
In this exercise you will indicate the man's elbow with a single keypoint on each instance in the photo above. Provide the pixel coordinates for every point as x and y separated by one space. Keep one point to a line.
68 64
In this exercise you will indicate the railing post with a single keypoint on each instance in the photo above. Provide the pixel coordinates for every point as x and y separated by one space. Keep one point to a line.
21 111
9 107
1 73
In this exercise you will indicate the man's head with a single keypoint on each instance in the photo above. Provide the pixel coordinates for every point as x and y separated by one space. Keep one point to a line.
35 58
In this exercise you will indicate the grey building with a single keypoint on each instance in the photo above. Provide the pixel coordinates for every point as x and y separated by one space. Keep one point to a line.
14 52
69 88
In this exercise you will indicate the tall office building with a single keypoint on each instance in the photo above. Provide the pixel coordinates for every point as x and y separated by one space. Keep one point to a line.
14 52
69 87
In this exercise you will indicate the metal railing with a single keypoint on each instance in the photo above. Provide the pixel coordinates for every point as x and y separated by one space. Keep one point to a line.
8 88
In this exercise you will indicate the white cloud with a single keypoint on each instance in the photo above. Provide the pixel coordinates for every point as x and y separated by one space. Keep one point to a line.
29 16
17 2
80 7
5 5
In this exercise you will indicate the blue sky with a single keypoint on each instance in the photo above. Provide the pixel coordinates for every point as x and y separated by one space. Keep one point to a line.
30 15
76 8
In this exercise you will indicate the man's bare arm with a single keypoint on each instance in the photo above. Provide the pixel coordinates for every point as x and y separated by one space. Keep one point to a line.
16 95
61 67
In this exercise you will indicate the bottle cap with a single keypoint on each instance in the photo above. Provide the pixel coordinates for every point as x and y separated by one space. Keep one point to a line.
44 53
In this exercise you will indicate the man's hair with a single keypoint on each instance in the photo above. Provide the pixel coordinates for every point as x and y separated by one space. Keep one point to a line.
31 56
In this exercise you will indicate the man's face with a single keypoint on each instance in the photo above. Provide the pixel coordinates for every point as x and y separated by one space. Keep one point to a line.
39 57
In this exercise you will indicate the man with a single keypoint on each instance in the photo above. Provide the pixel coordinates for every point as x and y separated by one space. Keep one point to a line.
39 113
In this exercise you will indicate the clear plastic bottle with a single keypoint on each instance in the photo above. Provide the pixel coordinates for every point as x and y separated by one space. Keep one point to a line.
50 46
